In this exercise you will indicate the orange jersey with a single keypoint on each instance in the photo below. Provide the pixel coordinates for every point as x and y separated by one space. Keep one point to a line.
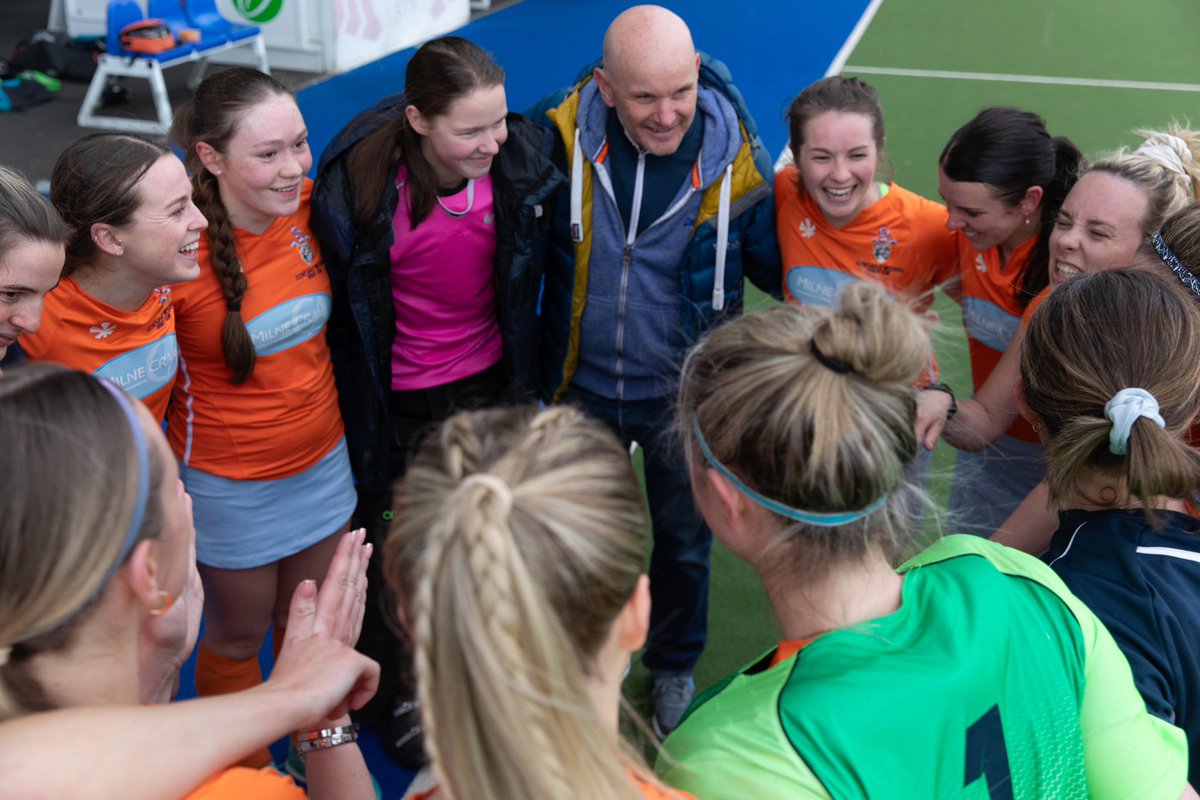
991 313
134 349
899 242
237 783
285 418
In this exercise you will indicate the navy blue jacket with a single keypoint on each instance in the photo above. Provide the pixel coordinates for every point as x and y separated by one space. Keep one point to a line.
1144 585
753 250
362 322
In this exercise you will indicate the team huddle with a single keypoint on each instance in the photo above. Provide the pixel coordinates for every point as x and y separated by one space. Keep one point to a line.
450 341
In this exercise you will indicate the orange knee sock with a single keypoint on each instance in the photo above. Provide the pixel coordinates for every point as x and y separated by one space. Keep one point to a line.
218 674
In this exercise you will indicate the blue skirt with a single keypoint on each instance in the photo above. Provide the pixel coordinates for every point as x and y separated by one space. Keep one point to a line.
244 524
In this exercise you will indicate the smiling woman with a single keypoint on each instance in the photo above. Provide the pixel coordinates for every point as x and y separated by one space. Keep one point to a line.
1122 198
136 233
1003 177
256 423
430 208
836 222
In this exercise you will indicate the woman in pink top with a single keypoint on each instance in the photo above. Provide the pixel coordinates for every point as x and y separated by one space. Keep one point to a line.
431 210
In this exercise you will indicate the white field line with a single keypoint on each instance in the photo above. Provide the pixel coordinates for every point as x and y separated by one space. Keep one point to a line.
864 22
1046 80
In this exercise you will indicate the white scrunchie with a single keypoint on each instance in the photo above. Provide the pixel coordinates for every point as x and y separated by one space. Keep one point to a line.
1125 408
1170 151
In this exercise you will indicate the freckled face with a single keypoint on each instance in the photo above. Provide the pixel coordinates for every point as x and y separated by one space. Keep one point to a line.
264 164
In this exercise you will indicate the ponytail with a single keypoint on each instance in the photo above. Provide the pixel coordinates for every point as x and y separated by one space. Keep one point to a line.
1011 151
519 538
813 409
236 344
1093 337
212 117
393 143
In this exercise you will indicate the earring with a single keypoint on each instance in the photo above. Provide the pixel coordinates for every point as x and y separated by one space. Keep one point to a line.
166 601
1037 427
1027 220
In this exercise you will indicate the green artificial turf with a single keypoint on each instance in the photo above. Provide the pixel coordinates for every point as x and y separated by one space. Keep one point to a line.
1152 41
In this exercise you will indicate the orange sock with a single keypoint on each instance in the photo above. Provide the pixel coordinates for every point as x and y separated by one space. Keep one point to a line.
218 674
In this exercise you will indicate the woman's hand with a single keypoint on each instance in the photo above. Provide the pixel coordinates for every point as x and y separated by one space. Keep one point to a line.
317 660
342 601
932 410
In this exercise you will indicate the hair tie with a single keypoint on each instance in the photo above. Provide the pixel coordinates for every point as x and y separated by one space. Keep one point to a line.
818 518
1125 408
495 485
1171 260
234 306
1170 151
835 364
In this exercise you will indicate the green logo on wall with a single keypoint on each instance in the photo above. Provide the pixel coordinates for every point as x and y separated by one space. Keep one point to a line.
258 10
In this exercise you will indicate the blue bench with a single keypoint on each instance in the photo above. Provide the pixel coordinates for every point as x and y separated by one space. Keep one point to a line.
216 35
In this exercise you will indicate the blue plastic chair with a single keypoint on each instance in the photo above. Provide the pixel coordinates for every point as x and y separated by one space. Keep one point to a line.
119 63
203 14
172 13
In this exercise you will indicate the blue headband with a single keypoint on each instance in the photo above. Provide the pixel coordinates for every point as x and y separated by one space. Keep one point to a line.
143 490
139 511
1171 260
811 517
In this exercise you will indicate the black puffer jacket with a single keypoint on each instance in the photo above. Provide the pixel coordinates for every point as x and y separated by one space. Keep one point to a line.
362 323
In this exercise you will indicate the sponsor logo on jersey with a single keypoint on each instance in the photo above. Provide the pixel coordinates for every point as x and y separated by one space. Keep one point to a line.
816 285
289 324
144 370
884 243
309 273
980 264
161 320
807 228
989 323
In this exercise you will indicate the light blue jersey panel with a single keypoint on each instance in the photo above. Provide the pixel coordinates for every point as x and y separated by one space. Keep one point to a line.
145 370
989 323
289 324
817 286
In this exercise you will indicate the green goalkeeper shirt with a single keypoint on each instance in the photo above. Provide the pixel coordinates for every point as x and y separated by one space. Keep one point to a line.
990 681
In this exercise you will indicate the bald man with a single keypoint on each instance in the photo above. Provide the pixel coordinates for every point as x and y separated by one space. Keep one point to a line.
669 206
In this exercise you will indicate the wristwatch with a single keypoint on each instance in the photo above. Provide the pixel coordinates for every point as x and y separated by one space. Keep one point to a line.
944 387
